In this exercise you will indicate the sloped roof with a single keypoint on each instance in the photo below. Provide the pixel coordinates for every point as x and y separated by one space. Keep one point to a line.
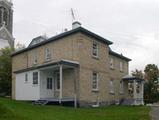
130 77
119 55
65 34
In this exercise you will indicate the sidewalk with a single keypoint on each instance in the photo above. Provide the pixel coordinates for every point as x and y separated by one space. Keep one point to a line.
154 111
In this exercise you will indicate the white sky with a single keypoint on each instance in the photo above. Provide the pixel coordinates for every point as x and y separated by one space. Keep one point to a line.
132 25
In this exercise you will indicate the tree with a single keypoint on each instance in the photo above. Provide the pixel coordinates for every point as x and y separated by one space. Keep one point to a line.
151 92
5 71
138 73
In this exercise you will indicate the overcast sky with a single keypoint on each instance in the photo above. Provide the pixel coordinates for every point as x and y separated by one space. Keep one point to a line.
132 25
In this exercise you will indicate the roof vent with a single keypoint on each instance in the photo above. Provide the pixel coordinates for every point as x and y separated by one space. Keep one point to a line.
76 24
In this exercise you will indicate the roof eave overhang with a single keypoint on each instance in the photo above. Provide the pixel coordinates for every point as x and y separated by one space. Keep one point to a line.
65 34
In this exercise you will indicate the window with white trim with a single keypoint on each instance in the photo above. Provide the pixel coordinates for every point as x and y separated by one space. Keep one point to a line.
121 87
47 54
49 83
121 66
95 50
26 77
112 86
35 57
35 78
94 81
112 63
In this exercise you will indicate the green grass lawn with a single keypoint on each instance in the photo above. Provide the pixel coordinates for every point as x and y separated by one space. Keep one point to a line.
13 110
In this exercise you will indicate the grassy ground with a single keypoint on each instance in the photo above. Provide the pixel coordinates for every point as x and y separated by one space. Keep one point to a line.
13 110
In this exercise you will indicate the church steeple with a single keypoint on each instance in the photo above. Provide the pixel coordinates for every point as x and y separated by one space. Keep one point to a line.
6 24
6 14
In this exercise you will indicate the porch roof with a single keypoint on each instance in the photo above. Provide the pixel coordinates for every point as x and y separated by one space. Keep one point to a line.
131 78
61 62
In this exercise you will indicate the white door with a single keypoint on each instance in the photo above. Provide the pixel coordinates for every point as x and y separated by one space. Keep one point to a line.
50 87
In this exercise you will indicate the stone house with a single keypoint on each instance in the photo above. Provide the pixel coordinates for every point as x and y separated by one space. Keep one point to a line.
77 65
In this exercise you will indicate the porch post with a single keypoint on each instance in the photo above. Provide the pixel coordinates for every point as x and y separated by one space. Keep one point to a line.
61 79
75 87
134 92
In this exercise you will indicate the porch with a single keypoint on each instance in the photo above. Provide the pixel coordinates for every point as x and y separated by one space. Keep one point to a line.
135 90
58 82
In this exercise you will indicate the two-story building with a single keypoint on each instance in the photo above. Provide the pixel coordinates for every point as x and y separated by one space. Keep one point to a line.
77 65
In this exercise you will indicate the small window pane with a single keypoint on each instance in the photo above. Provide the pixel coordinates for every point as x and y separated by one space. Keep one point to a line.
26 78
121 87
49 83
95 81
112 63
35 78
35 57
121 66
47 54
111 86
95 49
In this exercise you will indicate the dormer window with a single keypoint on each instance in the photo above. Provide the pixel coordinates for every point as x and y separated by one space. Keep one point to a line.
95 49
112 63
47 54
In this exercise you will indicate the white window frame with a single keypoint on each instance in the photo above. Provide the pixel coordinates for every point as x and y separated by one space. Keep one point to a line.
95 49
121 66
111 87
121 87
47 54
35 79
95 82
35 57
112 63
49 84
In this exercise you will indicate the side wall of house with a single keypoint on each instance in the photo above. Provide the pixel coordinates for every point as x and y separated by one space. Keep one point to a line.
65 48
116 75
101 65
25 90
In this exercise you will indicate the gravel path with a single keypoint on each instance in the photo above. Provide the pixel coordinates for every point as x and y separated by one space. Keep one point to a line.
154 113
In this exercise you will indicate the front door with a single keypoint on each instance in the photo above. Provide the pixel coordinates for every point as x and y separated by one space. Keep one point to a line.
50 87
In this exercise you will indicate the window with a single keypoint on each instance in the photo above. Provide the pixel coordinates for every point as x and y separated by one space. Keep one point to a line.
49 83
95 49
26 77
112 86
35 78
47 54
121 66
121 87
57 80
95 81
112 63
35 58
